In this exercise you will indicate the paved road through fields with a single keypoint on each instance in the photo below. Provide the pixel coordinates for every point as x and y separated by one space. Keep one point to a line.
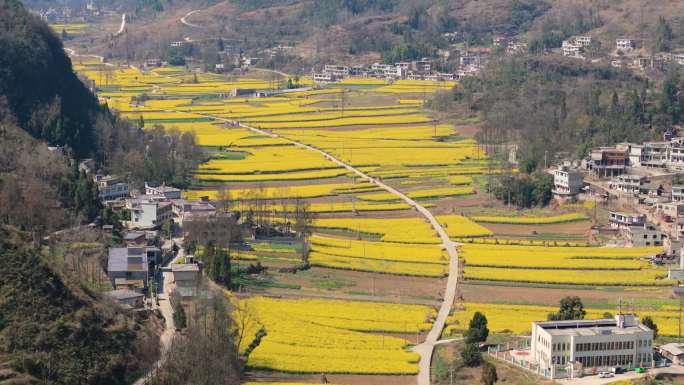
427 347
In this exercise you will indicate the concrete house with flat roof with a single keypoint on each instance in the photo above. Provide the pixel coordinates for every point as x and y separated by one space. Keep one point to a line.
592 345
128 268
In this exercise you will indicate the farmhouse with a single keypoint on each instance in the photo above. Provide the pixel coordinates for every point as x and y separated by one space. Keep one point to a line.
672 210
629 184
593 344
127 297
186 277
567 181
677 193
127 267
110 188
148 212
673 352
625 44
167 192
607 162
620 220
642 236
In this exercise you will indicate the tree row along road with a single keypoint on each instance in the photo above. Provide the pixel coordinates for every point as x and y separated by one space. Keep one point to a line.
425 349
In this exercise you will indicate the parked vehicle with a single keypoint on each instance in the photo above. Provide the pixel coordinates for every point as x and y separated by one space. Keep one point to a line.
617 370
606 375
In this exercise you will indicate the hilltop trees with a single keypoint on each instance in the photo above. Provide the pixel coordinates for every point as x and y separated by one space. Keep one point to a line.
663 36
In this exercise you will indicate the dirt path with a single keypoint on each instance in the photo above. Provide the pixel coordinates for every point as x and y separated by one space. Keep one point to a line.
122 26
184 19
165 308
427 347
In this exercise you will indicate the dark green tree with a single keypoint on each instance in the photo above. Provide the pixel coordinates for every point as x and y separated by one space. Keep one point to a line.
471 355
477 329
571 308
648 322
663 39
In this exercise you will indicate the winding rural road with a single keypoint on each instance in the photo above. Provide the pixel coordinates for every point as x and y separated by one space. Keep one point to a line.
425 349
164 307
122 27
185 21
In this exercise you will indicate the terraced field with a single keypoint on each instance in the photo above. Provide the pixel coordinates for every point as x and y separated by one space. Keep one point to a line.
361 234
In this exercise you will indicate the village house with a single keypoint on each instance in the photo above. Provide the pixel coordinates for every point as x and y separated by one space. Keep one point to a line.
336 71
110 188
621 220
625 44
127 268
166 191
606 162
567 181
127 297
148 212
422 65
678 58
675 158
627 184
679 228
677 193
572 49
186 277
593 344
182 208
584 41
673 352
642 236
672 210
516 47
499 41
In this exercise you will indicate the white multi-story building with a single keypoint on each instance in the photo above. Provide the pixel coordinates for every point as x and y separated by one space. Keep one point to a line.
619 220
584 41
571 49
110 188
677 193
163 190
567 181
148 212
624 44
593 344
628 184
675 158
673 210
336 70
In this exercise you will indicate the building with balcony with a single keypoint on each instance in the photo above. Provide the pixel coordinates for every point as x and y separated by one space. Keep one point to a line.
567 181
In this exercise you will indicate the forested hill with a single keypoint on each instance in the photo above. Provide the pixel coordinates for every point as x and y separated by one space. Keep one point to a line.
52 331
37 84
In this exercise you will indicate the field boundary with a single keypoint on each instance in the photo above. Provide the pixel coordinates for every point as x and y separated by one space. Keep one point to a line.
425 349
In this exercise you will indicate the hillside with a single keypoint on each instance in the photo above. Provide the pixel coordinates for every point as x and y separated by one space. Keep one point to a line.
41 91
54 330
352 31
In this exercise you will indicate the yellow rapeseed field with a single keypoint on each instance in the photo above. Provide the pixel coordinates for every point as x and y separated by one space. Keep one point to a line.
328 336
532 220
518 318
568 258
645 277
383 257
306 191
